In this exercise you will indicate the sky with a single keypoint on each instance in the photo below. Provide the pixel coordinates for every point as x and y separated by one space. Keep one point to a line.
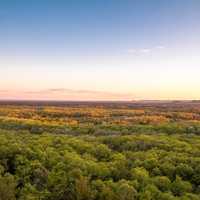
99 49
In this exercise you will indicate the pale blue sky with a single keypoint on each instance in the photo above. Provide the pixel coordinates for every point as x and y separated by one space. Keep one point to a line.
92 49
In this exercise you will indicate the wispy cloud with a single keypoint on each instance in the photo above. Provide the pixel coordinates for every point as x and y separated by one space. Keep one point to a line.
159 47
145 50
70 94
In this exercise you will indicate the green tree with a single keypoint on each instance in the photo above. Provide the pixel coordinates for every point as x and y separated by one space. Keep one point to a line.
7 187
180 187
125 191
82 189
162 182
184 171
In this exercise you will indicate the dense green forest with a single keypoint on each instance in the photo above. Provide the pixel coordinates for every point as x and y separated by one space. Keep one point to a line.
100 151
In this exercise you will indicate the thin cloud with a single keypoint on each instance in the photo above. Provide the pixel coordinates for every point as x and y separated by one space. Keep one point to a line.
87 92
56 90
65 93
145 50
160 47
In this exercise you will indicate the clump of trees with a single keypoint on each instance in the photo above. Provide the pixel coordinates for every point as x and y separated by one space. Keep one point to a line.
130 167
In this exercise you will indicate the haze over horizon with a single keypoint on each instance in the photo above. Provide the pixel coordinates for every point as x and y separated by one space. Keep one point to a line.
99 50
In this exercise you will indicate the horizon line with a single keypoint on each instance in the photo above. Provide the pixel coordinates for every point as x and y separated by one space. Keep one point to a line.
92 100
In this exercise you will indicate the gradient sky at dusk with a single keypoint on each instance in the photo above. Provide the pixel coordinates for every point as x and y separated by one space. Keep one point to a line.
99 49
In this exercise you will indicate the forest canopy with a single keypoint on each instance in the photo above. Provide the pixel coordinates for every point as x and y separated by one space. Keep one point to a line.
100 152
